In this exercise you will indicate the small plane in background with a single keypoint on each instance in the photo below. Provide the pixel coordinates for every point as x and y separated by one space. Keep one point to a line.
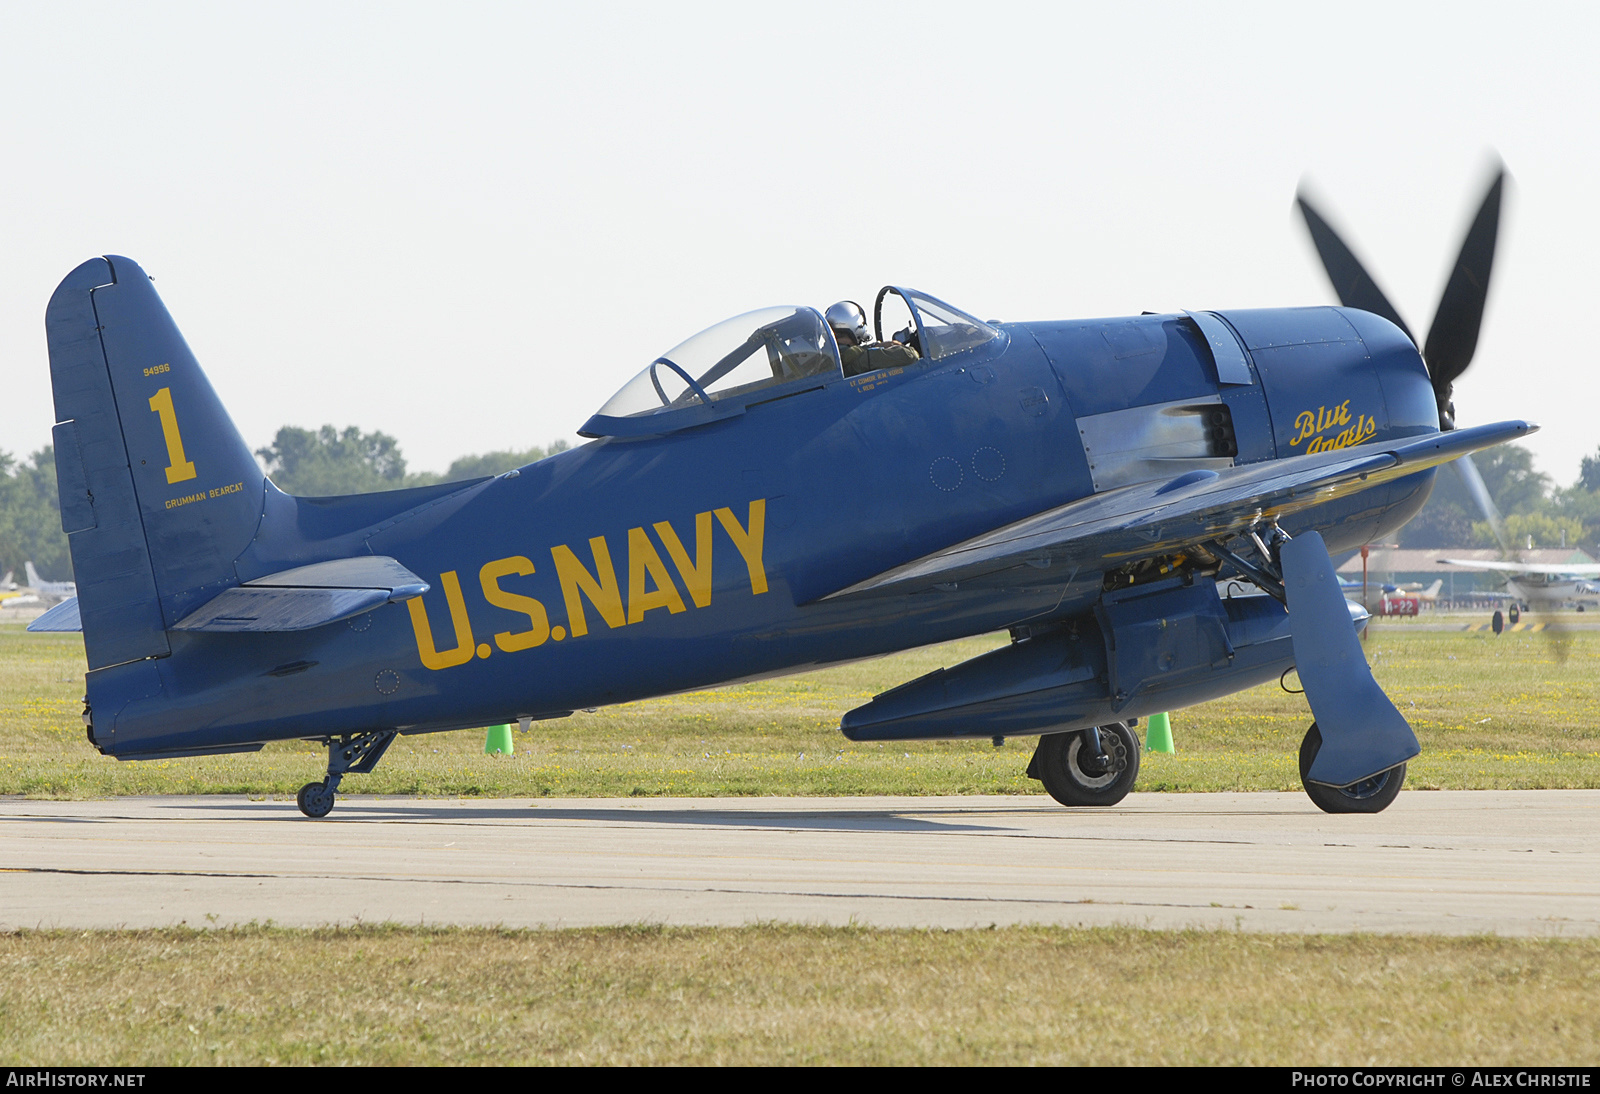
1415 589
1407 599
49 590
1541 585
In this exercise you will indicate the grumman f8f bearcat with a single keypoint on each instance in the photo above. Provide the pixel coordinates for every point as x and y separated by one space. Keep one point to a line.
1147 504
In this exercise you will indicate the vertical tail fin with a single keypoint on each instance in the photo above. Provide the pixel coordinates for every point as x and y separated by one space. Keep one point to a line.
159 493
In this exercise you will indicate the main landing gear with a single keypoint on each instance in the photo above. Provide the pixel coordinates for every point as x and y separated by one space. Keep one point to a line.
1095 766
354 752
1370 795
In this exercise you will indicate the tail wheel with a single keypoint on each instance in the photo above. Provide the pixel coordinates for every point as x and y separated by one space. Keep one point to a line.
1064 763
315 799
1367 796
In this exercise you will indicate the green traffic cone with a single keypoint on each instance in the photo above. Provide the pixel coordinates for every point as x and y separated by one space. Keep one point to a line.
1158 734
499 741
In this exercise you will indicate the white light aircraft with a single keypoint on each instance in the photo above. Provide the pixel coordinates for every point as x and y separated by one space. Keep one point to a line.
58 590
1542 585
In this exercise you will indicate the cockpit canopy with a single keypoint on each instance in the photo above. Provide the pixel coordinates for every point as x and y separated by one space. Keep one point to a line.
738 355
707 376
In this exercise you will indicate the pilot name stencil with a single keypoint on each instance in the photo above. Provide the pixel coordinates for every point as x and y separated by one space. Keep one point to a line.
650 586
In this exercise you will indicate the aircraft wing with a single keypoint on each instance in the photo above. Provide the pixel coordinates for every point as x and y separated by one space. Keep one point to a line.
1153 518
1578 570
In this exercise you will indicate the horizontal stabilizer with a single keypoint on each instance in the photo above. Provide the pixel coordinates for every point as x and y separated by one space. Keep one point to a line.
360 572
62 617
306 597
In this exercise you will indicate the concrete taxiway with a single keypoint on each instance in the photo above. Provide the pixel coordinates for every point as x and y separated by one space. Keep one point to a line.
1458 862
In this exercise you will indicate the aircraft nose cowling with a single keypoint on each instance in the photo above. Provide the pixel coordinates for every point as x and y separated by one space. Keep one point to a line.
1336 377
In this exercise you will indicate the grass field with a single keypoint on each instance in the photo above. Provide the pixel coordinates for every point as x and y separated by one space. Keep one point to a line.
1503 713
804 995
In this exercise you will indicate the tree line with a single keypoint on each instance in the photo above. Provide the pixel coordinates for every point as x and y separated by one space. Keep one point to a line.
308 462
327 461
1531 506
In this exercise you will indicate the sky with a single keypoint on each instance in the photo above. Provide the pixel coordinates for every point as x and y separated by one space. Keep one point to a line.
466 225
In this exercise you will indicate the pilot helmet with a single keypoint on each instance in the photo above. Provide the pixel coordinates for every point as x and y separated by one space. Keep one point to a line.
846 317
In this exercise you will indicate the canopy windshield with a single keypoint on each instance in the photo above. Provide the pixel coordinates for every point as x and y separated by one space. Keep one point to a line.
739 355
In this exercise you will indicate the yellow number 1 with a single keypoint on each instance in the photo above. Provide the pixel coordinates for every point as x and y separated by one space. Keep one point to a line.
178 468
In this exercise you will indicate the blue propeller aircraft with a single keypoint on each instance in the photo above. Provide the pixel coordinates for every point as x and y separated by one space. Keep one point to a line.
1146 503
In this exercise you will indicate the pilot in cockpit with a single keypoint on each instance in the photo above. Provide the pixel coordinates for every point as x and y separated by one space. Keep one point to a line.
858 353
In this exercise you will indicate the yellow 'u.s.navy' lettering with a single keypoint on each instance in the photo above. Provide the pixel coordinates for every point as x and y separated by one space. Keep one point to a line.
644 565
489 577
749 541
600 587
432 657
650 585
697 574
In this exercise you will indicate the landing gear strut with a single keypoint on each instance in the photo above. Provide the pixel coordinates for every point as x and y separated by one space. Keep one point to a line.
1091 767
354 752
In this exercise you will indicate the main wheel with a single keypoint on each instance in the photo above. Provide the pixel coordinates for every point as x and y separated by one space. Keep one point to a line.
315 799
1063 763
1367 796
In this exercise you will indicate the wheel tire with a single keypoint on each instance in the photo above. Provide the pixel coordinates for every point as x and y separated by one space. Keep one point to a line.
1056 765
1367 796
315 800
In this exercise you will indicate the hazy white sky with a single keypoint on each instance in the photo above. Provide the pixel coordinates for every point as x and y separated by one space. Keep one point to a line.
467 224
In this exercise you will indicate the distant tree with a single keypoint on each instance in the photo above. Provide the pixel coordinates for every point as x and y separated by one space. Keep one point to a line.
1577 502
30 517
328 461
1514 485
495 463
1507 472
1589 476
1439 524
1539 529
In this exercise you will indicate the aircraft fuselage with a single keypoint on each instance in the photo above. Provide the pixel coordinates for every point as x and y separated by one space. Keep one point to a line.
634 567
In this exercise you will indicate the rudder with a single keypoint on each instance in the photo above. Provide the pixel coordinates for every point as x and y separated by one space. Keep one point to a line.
159 493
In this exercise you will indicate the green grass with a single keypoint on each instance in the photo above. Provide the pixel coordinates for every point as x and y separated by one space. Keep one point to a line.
792 995
1490 712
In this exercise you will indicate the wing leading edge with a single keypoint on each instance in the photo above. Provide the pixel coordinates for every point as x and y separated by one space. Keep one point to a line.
1153 518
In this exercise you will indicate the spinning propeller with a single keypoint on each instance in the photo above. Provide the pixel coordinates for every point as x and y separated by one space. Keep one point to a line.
1453 337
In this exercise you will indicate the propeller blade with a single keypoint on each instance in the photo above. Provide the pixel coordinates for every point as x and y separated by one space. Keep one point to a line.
1351 281
1555 632
1480 494
1453 337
